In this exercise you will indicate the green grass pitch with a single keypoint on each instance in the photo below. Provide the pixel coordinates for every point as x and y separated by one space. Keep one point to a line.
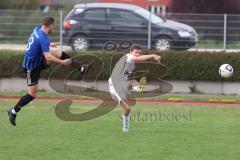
212 132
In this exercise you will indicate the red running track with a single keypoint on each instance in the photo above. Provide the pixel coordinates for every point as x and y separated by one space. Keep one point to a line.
160 102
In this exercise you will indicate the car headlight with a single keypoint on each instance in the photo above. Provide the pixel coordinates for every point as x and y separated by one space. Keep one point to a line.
184 34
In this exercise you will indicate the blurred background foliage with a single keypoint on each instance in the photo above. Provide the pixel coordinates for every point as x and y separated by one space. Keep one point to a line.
19 4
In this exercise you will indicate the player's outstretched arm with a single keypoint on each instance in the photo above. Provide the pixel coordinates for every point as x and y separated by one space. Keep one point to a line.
146 57
51 58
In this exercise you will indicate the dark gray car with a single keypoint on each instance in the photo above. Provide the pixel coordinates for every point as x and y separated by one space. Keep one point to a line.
112 25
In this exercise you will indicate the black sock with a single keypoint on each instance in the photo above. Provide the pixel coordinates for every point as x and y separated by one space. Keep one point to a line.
23 101
64 56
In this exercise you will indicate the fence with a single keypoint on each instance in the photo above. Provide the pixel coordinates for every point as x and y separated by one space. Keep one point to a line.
217 31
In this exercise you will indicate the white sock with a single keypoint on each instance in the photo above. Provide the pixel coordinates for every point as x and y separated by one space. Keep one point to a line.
13 111
126 120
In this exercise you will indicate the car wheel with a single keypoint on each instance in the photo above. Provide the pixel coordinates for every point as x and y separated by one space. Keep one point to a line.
79 43
163 44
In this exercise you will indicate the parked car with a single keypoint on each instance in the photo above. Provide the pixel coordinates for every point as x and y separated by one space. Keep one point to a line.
95 25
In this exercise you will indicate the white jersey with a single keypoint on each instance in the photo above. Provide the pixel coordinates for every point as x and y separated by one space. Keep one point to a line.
123 68
118 81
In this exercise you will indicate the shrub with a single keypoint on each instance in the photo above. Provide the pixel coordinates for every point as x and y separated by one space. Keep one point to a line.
182 65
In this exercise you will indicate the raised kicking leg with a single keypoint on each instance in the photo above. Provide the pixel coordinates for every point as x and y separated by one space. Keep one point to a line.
63 55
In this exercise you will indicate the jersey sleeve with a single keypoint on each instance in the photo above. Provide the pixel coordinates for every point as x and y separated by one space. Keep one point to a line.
129 58
45 44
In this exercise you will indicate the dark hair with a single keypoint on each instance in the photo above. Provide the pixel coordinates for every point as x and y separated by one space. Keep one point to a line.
47 21
135 46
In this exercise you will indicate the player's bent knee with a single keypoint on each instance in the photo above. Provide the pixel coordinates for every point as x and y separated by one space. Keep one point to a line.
32 90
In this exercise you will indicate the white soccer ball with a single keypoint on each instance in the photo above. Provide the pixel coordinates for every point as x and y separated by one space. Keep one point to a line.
226 70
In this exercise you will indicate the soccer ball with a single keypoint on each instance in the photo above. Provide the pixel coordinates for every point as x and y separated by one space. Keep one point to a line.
226 70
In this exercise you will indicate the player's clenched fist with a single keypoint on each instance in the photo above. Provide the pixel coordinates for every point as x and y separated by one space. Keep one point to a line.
156 57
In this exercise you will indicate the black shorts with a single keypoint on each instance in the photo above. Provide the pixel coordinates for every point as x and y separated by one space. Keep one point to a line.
33 76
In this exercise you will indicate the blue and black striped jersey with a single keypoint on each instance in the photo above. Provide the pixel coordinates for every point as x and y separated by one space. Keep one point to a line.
38 43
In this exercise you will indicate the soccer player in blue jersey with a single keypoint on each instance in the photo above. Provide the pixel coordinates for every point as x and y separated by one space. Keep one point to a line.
35 59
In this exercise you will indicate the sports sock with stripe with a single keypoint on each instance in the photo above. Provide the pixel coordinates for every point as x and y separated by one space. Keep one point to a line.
22 102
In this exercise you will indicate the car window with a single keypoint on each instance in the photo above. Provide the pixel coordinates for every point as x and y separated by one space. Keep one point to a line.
75 13
154 18
95 14
122 17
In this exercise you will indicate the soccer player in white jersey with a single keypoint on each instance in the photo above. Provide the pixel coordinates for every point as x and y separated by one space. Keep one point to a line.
119 83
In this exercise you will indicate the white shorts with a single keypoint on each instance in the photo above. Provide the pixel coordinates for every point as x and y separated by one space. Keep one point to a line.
117 96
